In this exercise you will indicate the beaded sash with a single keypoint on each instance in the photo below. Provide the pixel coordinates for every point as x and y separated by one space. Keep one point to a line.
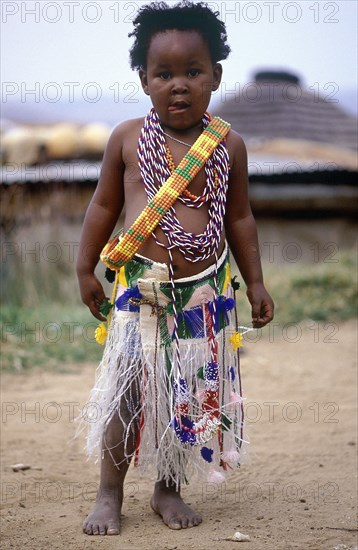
116 254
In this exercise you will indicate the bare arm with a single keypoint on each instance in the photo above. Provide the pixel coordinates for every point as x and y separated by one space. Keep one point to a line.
100 220
241 233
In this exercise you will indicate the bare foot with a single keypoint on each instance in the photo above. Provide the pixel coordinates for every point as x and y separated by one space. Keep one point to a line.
167 502
105 516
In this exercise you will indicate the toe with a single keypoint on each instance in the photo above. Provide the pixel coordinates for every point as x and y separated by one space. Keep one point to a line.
197 520
88 529
95 530
112 532
174 523
112 528
185 523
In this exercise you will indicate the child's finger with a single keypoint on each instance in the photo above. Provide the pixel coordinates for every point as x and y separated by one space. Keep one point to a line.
266 315
95 312
255 311
94 308
99 298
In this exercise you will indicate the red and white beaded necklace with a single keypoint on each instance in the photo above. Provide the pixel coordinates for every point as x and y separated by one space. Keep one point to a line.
153 158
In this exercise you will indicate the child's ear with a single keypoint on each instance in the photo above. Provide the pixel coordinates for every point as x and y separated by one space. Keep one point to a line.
144 80
217 73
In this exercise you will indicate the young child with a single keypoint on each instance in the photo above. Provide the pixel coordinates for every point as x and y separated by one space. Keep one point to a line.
168 388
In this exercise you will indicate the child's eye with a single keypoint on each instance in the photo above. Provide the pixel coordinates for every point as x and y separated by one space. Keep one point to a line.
165 75
193 72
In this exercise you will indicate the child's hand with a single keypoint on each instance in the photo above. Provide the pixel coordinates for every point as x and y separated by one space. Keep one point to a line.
92 294
262 306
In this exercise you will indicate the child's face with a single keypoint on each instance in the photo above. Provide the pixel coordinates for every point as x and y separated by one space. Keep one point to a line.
180 77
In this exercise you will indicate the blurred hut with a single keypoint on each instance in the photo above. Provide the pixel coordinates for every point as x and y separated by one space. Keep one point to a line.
49 172
302 146
32 145
60 141
38 145
276 105
93 139
20 145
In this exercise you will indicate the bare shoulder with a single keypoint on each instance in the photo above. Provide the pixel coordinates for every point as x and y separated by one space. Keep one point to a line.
125 131
128 126
116 156
236 147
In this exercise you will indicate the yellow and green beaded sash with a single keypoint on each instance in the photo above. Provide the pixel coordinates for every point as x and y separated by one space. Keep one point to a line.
117 253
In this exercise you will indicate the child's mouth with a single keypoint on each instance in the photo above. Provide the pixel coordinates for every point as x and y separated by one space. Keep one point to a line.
178 107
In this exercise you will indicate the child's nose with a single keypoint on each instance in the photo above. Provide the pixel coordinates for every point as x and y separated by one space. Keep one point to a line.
179 86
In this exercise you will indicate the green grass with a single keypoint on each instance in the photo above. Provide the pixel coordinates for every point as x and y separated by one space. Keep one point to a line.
317 291
50 336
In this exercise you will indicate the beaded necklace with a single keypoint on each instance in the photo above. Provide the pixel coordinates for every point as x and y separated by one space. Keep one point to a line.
156 165
152 155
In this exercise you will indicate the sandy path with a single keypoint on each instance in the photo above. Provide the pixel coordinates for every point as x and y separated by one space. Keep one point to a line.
297 489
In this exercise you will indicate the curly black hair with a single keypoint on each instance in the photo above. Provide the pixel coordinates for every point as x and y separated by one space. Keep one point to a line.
186 15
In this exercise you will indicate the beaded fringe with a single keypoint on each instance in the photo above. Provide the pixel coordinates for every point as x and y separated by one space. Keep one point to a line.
133 382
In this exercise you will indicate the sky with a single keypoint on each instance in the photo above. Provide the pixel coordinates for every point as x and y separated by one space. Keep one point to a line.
78 50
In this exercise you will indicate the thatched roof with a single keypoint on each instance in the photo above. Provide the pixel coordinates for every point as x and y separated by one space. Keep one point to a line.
275 105
290 155
36 145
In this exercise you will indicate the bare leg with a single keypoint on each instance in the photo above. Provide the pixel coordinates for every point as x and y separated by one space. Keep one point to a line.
105 516
167 502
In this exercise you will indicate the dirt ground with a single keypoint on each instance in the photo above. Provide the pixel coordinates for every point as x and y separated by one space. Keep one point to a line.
296 489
